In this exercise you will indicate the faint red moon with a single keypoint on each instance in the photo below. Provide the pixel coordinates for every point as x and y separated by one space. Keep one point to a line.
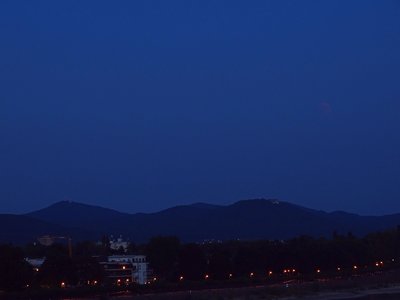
325 107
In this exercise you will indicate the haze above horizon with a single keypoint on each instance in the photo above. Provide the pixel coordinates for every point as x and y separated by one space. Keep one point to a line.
143 105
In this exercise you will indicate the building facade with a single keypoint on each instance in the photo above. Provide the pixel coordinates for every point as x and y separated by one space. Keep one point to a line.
126 269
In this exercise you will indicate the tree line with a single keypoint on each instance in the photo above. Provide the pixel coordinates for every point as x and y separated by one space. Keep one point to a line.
301 256
174 261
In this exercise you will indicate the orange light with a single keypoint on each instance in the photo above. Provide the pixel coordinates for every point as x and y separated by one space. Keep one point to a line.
155 279
181 278
318 271
206 276
377 264
95 282
294 270
127 280
123 267
119 280
63 284
251 274
270 273
284 271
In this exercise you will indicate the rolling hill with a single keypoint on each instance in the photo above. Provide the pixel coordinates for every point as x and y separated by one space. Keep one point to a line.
247 219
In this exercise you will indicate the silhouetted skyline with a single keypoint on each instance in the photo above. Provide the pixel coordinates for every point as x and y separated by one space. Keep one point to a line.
143 105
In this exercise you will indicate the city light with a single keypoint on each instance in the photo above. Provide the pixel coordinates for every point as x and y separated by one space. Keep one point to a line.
181 278
338 268
206 276
355 267
270 273
230 275
379 263
318 271
123 267
251 274
63 284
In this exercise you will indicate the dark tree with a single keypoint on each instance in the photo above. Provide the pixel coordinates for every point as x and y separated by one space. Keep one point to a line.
162 254
220 265
15 272
132 249
57 268
192 262
87 248
88 269
105 245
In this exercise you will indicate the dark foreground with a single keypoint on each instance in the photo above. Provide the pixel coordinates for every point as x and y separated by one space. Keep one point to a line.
376 286
252 294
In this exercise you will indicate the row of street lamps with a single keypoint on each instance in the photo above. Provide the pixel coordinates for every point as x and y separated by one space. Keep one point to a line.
293 271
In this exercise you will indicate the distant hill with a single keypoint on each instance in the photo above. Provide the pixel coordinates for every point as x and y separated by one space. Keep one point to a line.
247 219
78 215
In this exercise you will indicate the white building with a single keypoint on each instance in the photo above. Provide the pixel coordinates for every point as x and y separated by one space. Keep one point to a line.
36 263
126 268
119 243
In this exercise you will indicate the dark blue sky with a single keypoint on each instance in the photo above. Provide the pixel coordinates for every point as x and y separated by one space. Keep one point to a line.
141 105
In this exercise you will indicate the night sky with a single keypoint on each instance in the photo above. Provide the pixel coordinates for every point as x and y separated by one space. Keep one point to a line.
143 105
